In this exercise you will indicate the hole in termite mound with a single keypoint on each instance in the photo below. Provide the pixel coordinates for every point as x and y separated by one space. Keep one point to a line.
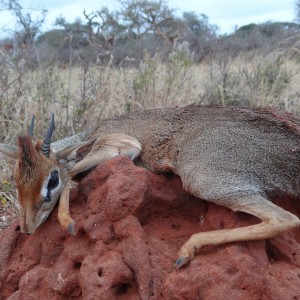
100 272
77 265
121 288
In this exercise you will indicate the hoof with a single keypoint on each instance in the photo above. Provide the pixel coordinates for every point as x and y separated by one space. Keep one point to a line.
182 261
71 228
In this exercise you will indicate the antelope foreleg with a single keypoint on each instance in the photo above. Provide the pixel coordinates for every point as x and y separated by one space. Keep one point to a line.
63 216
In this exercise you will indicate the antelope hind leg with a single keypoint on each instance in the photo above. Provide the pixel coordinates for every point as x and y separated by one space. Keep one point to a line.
64 216
274 221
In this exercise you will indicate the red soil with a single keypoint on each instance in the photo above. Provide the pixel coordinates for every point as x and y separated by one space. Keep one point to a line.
131 223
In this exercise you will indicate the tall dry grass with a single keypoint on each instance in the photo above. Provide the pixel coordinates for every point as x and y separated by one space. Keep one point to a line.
255 80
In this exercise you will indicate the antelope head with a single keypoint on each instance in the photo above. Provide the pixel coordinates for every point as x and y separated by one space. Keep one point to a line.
40 180
42 175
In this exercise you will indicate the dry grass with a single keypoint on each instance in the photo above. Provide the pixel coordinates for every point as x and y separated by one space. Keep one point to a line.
255 80
81 97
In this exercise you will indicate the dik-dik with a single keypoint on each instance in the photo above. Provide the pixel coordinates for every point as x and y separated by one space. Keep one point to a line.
235 157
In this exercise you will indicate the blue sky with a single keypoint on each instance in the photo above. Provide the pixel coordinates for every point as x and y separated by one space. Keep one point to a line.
225 13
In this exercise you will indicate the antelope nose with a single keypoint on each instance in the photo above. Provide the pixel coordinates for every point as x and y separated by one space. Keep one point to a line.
26 229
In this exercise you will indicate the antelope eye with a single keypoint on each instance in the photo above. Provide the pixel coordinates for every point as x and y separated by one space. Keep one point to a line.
53 181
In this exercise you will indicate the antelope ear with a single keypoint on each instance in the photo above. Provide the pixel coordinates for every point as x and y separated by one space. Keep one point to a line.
9 151
74 153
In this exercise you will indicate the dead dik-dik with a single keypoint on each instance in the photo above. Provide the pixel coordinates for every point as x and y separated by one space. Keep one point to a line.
233 157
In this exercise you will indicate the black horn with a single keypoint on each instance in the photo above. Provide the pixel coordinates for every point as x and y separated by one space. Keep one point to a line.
47 138
30 129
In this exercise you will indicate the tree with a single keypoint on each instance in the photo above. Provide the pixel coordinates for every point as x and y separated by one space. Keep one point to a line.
29 27
146 16
9 5
110 22
297 10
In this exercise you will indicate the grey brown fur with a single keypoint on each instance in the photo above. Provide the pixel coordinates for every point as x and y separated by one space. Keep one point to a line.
232 151
234 157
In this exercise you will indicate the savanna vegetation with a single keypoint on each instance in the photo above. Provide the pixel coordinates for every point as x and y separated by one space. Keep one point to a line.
142 55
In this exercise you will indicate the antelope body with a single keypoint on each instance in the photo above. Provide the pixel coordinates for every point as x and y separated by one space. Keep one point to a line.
234 157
